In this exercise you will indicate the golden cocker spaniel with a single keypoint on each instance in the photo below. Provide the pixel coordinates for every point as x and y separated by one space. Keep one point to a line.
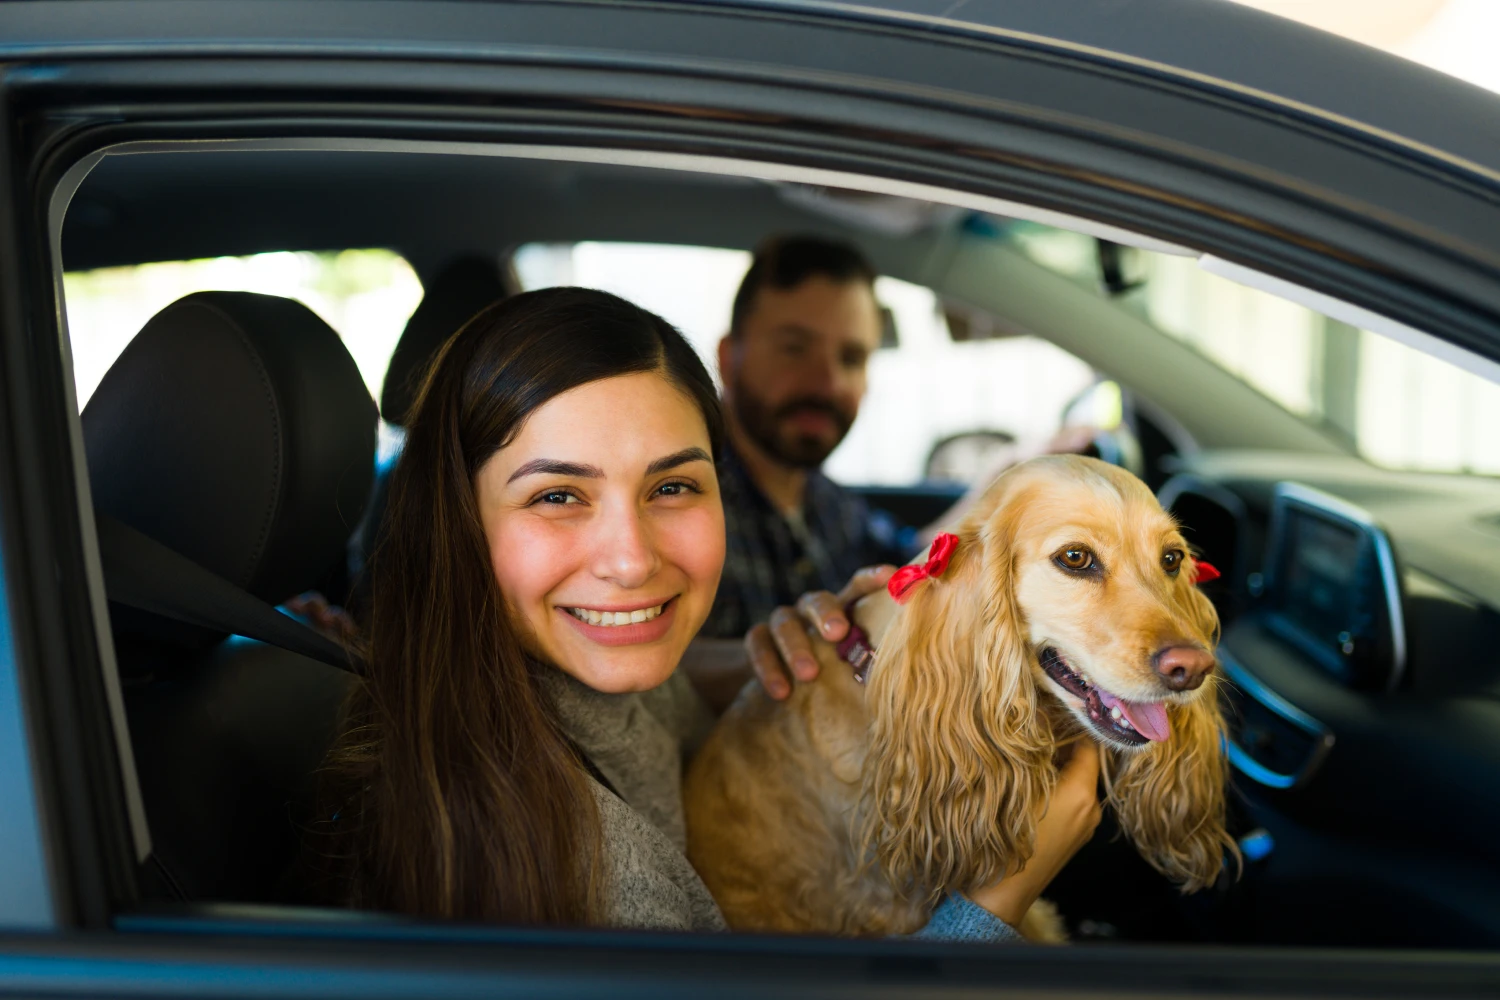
1068 609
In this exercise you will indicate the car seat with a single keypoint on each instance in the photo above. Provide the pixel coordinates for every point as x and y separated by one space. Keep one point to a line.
236 432
463 287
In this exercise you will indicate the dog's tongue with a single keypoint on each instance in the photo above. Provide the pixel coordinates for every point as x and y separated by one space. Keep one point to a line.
1148 717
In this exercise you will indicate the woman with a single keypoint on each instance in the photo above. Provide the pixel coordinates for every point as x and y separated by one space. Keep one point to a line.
553 541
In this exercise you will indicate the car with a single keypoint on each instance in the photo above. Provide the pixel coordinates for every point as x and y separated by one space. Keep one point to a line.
1260 265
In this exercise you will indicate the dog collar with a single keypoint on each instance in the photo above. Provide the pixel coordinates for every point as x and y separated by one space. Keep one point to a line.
855 649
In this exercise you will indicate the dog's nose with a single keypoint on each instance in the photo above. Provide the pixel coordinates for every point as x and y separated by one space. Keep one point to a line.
1183 668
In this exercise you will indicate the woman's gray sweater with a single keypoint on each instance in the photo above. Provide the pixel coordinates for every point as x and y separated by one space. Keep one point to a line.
639 742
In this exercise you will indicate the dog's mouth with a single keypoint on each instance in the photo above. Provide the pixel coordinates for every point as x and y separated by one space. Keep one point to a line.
1129 723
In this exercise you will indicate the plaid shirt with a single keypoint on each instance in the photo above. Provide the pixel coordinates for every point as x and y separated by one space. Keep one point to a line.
770 560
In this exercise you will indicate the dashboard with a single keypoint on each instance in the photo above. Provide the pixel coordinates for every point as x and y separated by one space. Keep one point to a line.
1361 649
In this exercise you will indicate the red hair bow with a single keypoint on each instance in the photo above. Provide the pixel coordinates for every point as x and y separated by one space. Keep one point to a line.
938 555
1204 572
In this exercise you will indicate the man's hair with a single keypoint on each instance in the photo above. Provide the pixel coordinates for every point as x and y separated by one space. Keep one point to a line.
787 261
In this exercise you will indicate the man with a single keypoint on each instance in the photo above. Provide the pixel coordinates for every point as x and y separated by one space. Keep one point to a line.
803 327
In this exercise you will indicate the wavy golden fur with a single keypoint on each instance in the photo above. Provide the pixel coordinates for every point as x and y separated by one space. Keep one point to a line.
852 809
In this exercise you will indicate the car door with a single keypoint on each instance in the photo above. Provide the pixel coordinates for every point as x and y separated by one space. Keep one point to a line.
72 833
1001 117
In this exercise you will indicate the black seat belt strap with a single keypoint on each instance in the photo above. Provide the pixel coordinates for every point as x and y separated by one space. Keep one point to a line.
142 573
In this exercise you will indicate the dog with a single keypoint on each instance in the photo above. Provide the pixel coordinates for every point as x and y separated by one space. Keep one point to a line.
1066 609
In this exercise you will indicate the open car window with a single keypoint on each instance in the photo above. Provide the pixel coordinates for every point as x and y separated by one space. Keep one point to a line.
998 333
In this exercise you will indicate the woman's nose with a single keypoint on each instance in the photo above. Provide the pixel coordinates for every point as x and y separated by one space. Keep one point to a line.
624 551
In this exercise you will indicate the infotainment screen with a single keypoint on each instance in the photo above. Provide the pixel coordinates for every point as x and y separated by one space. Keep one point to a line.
1321 578
1332 587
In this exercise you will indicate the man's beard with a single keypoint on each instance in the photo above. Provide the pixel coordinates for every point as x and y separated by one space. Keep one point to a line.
802 451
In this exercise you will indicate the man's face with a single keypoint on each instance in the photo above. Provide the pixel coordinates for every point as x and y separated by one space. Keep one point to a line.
795 374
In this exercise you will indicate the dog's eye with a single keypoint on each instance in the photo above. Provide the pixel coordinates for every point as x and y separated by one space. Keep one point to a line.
1171 561
1075 558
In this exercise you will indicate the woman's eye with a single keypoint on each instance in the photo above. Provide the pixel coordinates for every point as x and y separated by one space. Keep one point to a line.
675 489
1172 561
557 497
1075 559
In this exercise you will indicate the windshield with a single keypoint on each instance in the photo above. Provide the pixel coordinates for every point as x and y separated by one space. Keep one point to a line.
1396 406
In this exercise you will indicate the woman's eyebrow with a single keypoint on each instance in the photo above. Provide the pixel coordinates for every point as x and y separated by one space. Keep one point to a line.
675 459
552 467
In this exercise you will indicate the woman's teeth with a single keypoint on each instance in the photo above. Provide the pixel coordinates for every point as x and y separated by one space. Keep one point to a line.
616 617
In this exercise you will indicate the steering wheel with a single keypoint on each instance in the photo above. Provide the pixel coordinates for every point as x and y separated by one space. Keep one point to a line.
1118 446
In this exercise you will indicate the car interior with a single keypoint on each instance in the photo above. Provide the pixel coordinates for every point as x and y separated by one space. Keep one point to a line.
232 460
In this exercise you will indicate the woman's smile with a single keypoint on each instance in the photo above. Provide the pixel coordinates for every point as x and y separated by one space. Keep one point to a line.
613 615
623 626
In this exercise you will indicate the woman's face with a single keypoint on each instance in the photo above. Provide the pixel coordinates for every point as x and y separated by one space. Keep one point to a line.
606 530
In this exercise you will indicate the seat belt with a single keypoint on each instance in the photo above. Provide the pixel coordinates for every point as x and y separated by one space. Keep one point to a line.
144 574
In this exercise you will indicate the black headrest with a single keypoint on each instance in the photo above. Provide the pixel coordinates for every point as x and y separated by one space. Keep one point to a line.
236 430
463 287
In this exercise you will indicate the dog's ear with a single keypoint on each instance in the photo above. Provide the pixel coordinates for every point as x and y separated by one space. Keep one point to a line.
1199 611
1169 797
960 759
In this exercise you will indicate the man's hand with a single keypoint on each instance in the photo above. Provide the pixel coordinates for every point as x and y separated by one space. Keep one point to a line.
1072 815
780 650
331 620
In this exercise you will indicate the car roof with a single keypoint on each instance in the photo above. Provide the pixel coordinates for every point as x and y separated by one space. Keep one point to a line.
1203 44
1219 44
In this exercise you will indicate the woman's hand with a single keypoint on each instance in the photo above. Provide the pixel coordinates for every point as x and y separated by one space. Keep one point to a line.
780 650
1072 814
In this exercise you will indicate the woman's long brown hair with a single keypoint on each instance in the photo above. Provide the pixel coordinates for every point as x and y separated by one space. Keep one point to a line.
456 794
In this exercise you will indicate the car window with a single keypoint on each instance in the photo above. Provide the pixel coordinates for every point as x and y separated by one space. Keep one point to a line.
946 382
366 295
988 357
1398 407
